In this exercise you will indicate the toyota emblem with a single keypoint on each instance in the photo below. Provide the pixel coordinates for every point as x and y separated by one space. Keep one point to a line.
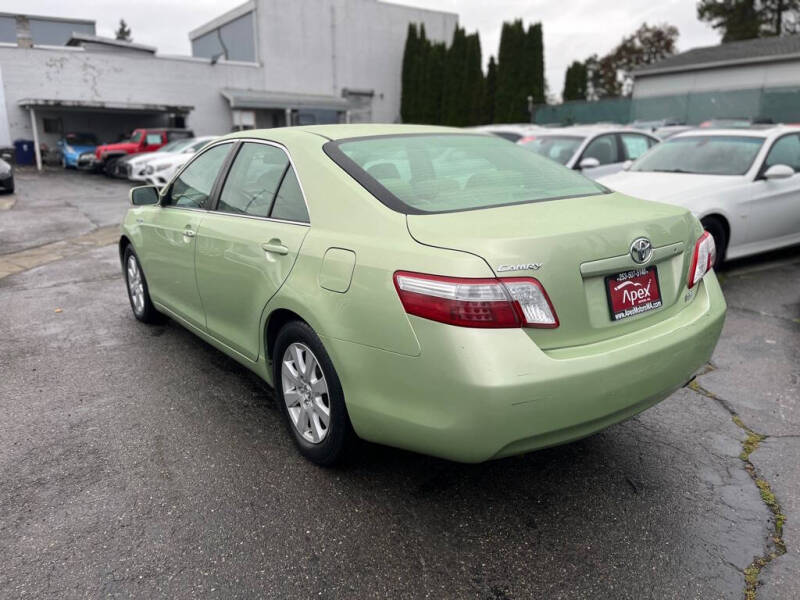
641 250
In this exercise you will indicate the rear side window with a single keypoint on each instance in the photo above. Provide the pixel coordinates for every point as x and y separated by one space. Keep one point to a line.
419 174
193 187
786 151
152 139
253 180
635 145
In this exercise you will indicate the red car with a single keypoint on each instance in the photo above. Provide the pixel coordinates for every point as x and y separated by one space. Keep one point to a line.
104 158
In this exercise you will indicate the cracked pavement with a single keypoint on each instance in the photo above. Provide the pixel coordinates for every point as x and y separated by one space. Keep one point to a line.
138 461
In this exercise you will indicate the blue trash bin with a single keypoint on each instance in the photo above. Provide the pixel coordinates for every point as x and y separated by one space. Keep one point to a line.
23 149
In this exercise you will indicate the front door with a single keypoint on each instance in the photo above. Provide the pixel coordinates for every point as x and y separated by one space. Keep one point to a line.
248 245
606 150
773 206
170 236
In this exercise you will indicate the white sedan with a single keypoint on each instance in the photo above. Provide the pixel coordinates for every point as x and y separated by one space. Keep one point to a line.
594 150
743 184
160 169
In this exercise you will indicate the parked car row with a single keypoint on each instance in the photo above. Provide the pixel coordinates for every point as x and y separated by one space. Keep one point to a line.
742 182
150 155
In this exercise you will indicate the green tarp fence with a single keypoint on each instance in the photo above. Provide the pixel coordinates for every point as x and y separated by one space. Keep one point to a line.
781 104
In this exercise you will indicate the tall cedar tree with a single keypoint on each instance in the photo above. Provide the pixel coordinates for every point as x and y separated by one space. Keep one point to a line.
409 74
575 82
747 19
123 32
474 81
489 92
442 85
520 72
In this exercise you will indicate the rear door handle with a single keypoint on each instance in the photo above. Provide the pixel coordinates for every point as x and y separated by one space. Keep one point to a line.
275 247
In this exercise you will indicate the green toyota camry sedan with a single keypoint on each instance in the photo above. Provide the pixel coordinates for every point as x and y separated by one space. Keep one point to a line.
428 288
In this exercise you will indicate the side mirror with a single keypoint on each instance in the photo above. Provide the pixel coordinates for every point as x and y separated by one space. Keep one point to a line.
627 165
144 195
778 172
589 163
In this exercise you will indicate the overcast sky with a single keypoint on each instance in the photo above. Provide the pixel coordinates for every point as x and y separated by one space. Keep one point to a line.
573 29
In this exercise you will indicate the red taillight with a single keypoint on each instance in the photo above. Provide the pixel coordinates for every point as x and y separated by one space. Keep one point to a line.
488 303
705 253
526 139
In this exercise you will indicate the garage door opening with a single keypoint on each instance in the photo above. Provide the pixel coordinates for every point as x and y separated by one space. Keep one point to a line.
107 122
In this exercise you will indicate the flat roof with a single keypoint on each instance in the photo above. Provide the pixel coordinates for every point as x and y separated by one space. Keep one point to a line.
264 99
77 39
95 105
48 18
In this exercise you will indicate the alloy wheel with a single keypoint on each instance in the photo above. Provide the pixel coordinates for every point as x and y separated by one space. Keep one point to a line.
305 393
135 285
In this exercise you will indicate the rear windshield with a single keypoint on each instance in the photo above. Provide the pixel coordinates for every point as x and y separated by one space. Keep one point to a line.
704 154
559 148
453 172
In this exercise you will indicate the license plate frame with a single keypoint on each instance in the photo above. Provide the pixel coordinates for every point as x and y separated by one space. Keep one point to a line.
638 277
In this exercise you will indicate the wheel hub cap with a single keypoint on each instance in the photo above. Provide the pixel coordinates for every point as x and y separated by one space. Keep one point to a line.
305 392
135 285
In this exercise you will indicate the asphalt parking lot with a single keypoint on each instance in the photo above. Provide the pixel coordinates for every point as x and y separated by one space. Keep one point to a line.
138 461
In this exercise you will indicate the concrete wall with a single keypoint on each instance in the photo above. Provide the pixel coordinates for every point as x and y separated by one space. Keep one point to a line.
304 47
768 75
113 77
324 46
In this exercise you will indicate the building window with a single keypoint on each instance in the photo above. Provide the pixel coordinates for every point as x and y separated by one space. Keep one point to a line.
56 33
234 40
8 30
52 125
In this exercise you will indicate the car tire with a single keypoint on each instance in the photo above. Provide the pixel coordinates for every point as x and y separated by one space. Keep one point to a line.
138 292
110 167
300 362
717 231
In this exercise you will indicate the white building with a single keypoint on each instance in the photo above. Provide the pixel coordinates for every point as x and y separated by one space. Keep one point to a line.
264 64
763 63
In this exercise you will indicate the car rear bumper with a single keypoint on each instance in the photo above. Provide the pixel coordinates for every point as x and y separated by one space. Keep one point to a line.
474 395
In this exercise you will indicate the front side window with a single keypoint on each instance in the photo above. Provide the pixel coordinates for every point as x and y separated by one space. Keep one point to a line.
635 145
151 139
786 151
559 148
193 187
453 172
136 137
604 149
702 154
253 180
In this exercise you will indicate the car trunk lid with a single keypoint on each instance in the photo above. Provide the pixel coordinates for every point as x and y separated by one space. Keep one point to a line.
571 245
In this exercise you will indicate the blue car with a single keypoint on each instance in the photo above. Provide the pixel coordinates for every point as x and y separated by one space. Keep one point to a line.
72 145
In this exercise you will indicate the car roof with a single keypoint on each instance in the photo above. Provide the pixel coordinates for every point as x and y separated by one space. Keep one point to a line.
587 130
340 132
757 132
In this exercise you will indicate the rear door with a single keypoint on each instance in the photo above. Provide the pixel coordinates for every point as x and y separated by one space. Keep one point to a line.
773 210
169 236
248 244
635 144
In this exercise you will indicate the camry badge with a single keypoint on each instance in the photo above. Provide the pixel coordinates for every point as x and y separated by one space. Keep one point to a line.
641 250
522 267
